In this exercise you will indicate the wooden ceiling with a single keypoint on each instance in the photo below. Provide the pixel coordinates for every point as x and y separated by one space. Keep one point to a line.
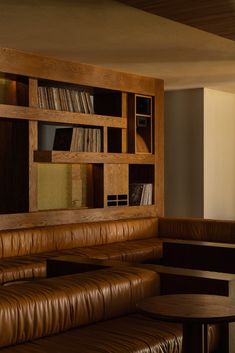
214 16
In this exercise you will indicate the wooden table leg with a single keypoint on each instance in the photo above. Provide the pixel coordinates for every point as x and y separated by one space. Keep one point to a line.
195 338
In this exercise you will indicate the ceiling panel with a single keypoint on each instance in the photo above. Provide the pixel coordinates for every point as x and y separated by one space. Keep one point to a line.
215 16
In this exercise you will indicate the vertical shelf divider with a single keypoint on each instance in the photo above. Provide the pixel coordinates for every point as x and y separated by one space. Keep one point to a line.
124 115
131 124
105 139
33 145
159 148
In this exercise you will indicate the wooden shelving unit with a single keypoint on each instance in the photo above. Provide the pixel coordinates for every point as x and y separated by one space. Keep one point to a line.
127 111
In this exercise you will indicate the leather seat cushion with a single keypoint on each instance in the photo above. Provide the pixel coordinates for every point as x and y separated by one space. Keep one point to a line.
197 229
132 333
30 241
21 268
42 308
34 266
131 251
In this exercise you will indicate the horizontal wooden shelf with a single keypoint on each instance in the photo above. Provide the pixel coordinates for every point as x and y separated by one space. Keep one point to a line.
53 217
56 116
92 157
49 68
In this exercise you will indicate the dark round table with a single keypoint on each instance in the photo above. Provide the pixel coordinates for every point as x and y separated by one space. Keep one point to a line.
195 312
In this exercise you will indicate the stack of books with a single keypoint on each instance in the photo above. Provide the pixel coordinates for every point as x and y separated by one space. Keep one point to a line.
65 99
77 139
140 194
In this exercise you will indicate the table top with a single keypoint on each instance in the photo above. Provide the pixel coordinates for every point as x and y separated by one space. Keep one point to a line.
201 308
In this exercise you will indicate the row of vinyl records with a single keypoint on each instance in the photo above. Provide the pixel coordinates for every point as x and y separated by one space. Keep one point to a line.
140 194
77 139
65 99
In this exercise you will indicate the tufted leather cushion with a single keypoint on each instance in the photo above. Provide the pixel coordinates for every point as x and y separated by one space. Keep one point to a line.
197 229
34 266
66 305
130 334
38 309
22 268
38 240
131 251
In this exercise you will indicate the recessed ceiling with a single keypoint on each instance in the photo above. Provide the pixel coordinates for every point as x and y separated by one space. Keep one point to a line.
217 16
110 34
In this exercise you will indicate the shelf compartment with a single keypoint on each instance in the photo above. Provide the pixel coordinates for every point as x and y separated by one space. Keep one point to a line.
114 140
143 134
14 89
143 105
74 138
107 102
14 156
91 157
79 186
140 124
62 96
141 185
37 114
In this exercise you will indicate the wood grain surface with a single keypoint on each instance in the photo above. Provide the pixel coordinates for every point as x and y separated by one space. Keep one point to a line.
217 16
91 157
199 308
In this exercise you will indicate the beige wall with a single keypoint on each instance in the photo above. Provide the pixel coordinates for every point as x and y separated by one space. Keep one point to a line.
200 154
219 154
184 153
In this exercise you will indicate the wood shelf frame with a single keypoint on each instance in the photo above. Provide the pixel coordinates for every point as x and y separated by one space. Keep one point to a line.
54 217
52 116
33 65
91 157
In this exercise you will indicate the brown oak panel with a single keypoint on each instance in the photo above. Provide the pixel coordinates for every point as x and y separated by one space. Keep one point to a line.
37 114
17 62
91 157
44 218
33 144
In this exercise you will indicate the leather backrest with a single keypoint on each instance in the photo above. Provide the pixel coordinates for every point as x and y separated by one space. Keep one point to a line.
197 229
37 240
46 307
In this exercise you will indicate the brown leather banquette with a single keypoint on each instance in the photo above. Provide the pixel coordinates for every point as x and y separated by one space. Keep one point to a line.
209 230
23 252
87 313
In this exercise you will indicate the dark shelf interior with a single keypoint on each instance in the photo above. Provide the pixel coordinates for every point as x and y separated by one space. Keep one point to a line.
107 102
143 105
114 140
14 90
14 166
